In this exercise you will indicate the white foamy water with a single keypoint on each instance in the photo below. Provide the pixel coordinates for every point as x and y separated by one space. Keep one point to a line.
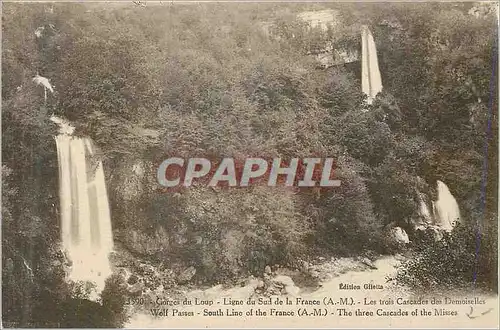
371 81
446 210
85 217
424 209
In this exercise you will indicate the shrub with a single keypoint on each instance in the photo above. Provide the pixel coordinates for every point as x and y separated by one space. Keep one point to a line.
227 233
348 213
451 262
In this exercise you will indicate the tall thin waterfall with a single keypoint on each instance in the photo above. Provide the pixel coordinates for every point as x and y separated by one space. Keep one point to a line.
446 211
85 217
371 81
424 212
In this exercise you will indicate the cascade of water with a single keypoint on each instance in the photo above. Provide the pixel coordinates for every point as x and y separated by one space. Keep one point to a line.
446 210
371 81
85 217
424 212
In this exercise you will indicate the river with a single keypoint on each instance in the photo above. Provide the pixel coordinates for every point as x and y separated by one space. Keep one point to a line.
367 288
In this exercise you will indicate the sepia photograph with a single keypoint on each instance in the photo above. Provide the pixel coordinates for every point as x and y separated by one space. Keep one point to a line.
249 164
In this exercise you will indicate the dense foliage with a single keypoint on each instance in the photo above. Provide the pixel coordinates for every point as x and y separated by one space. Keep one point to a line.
237 80
455 262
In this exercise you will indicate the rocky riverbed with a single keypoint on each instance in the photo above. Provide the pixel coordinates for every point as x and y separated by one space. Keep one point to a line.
359 279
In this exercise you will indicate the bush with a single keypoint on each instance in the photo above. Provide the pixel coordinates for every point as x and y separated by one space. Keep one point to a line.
347 213
234 232
451 262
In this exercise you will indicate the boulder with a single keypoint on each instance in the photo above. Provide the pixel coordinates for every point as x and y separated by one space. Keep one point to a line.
367 262
286 285
396 238
186 275
399 235
133 279
430 234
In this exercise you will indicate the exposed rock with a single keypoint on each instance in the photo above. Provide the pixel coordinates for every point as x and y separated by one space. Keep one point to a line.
146 270
395 238
39 31
326 270
306 280
133 279
433 233
64 126
123 273
159 289
437 234
267 270
137 288
39 80
367 262
285 284
400 235
186 275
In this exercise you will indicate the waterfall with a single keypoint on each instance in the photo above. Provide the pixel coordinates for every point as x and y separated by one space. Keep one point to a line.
371 82
424 212
446 211
85 217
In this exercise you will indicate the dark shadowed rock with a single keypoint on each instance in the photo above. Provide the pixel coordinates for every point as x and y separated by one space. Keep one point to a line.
132 279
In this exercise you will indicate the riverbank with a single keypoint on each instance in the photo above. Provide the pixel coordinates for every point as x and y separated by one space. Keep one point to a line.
345 286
